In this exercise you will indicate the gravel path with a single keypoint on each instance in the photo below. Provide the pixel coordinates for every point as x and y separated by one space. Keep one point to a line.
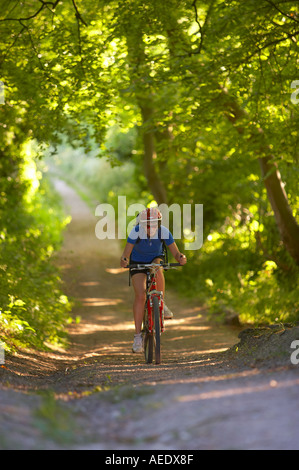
98 395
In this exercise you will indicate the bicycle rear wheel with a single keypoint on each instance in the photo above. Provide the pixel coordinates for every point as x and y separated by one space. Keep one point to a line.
157 330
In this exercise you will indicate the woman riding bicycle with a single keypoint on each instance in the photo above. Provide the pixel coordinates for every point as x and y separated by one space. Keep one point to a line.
145 245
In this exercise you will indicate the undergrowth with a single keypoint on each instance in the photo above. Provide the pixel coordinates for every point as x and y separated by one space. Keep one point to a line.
33 308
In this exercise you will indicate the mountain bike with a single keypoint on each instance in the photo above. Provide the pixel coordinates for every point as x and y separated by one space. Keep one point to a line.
153 320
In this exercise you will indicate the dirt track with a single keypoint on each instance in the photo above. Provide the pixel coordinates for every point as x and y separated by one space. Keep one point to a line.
98 395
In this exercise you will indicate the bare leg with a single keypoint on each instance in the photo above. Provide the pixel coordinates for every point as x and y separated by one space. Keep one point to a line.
139 284
160 277
161 287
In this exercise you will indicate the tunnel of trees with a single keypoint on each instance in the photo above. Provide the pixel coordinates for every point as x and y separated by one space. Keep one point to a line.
179 101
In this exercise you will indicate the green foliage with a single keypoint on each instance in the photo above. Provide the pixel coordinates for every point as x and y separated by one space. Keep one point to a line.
89 75
98 180
34 310
230 275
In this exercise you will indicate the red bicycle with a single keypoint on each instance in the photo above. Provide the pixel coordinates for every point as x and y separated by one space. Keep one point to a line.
153 320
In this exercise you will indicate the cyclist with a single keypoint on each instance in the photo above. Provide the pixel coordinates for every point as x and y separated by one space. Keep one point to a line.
144 245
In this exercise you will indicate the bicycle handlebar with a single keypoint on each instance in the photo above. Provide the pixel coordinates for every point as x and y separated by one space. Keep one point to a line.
152 265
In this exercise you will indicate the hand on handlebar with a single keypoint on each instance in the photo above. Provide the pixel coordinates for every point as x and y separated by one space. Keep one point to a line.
182 259
124 262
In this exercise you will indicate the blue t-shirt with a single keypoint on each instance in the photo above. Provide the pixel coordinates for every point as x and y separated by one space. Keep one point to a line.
148 248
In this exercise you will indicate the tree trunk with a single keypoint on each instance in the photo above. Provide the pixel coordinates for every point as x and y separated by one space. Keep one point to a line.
154 182
287 225
139 75
286 222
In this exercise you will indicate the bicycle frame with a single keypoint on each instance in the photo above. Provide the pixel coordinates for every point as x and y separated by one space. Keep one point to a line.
151 292
153 327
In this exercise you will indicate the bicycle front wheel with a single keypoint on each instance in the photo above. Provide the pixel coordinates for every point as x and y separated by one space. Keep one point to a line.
157 329
148 339
148 347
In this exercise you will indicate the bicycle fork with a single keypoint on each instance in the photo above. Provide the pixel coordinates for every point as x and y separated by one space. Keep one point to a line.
150 308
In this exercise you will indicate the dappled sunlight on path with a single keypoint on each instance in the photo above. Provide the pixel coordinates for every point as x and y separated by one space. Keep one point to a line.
102 336
197 398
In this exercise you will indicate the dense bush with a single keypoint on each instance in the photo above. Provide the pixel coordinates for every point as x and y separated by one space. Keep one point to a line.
191 107
33 308
231 276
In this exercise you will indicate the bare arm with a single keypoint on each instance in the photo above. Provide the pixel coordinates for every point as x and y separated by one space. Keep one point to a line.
180 257
125 257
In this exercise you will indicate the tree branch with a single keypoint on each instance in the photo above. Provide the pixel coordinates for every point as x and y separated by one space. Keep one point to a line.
201 28
79 18
78 15
282 12
199 25
44 4
273 43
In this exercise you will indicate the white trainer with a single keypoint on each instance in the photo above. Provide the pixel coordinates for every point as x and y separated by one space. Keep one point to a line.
138 344
168 315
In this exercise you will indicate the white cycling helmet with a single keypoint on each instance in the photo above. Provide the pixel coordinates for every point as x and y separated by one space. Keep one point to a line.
151 214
